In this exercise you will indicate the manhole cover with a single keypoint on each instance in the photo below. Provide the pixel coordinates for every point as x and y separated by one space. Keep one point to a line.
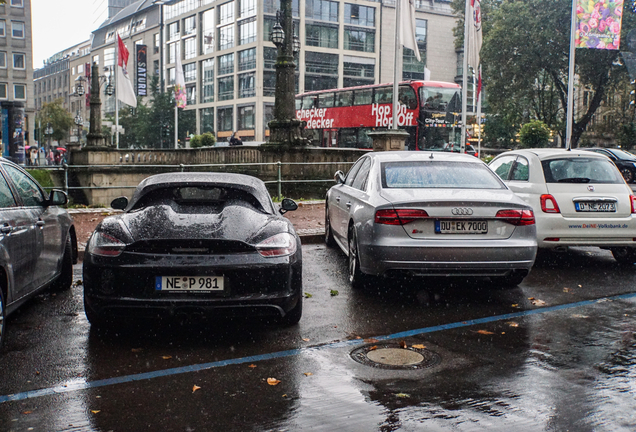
392 356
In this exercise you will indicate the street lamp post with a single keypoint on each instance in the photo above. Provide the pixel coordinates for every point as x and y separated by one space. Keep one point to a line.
95 137
285 129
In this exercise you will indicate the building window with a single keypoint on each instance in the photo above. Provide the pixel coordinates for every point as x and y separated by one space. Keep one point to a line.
207 120
3 90
207 81
157 43
324 10
357 74
173 31
226 37
19 91
80 69
226 119
359 40
321 36
226 88
247 31
226 64
247 8
321 63
190 72
189 25
245 117
247 59
413 69
17 3
247 85
172 52
17 29
207 31
3 60
19 62
171 77
190 48
359 15
191 94
96 59
226 13
269 83
3 28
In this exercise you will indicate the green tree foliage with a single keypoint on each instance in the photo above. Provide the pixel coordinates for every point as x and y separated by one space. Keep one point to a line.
58 117
152 126
525 56
534 134
500 131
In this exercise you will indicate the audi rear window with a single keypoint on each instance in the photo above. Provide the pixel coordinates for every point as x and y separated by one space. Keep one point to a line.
439 175
580 170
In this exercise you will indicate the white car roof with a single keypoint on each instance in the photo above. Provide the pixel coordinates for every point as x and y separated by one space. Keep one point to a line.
424 155
549 153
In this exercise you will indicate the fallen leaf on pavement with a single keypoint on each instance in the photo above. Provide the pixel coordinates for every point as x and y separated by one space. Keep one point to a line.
27 412
538 302
484 332
166 357
374 347
308 374
402 344
403 395
307 295
419 346
95 411
515 305
566 289
580 286
530 298
195 388
370 340
334 293
252 366
306 339
513 324
273 381
136 350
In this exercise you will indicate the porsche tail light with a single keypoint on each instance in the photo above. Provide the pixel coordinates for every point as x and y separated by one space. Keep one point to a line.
549 204
516 217
632 198
280 245
105 245
399 216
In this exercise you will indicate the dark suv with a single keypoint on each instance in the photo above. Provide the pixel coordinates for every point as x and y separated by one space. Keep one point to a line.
37 240
624 161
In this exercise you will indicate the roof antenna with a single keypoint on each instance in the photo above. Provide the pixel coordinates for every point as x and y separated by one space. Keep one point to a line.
431 156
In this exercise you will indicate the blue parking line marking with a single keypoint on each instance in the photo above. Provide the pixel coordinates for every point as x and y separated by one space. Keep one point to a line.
83 385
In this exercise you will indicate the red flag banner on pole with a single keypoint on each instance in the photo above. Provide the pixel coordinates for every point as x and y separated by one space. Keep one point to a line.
179 84
406 27
125 91
599 24
474 35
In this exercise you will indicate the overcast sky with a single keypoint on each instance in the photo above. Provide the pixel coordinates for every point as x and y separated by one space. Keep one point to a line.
60 24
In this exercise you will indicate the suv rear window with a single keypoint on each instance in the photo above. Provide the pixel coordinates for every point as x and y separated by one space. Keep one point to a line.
580 170
442 175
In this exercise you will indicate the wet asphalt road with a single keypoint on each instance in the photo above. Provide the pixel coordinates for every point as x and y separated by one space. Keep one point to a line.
557 353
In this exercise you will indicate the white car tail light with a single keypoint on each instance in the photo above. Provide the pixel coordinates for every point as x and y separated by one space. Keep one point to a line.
105 245
399 216
516 217
280 245
549 204
632 198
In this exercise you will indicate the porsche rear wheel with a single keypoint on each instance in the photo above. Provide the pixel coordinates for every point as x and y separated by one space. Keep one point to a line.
65 279
329 240
293 316
93 317
624 255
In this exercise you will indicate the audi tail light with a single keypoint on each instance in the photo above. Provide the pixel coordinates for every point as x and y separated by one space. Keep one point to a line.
399 216
516 217
549 204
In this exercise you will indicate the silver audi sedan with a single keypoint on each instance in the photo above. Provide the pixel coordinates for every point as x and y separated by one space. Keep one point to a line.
429 214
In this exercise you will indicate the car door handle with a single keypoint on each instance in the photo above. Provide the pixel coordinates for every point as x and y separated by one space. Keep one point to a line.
6 229
40 223
338 199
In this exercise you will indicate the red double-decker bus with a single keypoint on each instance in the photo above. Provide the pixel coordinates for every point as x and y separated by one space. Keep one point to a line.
428 110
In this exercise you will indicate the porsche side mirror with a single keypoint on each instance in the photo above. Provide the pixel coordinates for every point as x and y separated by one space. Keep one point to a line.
287 204
57 198
119 203
339 177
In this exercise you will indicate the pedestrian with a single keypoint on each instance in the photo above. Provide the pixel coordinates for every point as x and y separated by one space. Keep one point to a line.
235 140
33 155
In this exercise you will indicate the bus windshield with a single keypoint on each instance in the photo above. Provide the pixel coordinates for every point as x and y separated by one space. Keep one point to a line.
437 98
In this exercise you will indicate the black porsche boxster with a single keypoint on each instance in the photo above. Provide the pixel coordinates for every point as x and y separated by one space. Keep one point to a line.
199 244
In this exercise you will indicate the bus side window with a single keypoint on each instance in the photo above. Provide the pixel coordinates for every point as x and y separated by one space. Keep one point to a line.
362 96
325 100
309 102
344 98
299 104
407 97
383 95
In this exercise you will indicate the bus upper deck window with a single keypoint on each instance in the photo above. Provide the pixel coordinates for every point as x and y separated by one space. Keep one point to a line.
344 98
309 102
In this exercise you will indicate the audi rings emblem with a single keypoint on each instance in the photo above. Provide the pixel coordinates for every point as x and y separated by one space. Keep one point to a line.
462 211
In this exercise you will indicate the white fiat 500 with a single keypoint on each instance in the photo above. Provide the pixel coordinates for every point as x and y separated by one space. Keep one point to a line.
579 198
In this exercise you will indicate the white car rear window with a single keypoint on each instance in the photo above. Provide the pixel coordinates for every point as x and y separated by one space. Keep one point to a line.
453 175
580 170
